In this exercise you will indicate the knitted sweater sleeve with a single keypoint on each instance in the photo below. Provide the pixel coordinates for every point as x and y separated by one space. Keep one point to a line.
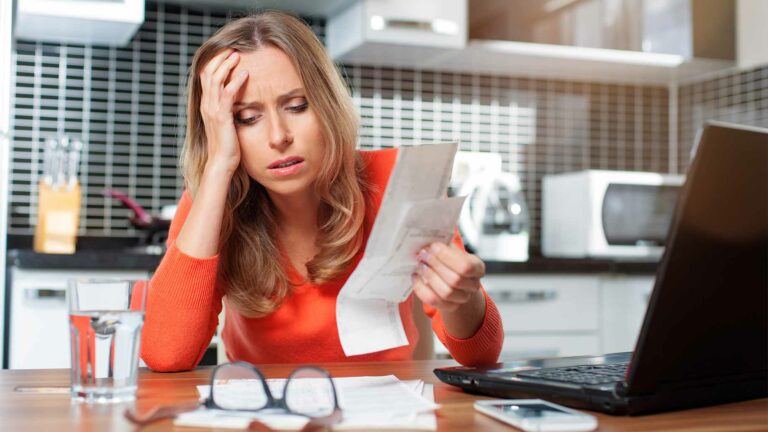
183 304
481 348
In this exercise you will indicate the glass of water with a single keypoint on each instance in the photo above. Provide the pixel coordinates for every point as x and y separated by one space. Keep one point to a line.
105 321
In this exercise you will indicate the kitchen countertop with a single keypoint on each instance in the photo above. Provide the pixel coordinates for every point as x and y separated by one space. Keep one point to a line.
88 259
569 265
125 253
117 259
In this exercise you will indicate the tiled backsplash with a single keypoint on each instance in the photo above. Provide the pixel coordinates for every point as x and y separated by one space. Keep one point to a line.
128 105
737 96
538 126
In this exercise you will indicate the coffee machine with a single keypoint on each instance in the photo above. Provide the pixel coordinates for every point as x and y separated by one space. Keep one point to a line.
494 221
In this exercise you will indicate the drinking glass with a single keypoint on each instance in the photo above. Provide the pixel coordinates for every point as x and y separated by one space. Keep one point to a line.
105 321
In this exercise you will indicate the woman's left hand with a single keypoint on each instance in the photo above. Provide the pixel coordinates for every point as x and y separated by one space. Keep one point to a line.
447 277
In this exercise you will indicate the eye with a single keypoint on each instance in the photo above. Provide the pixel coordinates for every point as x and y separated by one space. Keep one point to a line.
247 117
297 105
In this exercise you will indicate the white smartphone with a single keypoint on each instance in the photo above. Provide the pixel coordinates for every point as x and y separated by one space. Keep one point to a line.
536 415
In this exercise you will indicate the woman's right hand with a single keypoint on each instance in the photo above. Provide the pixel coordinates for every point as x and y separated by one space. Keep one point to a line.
216 108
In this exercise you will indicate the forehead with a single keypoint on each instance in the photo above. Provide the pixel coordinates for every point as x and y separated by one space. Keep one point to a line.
269 69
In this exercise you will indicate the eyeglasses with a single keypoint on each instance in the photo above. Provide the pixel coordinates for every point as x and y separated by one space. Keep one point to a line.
308 391
240 386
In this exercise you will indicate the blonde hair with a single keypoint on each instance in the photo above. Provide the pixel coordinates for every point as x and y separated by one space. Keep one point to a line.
252 266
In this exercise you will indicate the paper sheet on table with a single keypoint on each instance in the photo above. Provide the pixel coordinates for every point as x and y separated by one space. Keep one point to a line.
367 402
367 314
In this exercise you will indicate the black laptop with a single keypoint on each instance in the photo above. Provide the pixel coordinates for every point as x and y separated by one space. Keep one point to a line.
704 339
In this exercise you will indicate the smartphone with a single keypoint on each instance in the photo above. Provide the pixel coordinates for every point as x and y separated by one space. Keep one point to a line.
536 415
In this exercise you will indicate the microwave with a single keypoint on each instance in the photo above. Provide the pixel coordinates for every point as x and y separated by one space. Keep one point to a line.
607 214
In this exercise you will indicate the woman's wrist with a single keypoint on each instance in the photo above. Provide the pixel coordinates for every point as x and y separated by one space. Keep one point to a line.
221 171
465 321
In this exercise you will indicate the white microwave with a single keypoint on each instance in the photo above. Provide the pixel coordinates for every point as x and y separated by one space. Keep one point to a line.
607 214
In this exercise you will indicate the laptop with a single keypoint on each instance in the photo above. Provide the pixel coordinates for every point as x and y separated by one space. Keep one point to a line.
704 339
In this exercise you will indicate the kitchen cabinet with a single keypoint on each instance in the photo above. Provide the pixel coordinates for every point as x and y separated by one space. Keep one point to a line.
751 49
623 302
356 36
401 30
546 315
37 333
39 323
107 22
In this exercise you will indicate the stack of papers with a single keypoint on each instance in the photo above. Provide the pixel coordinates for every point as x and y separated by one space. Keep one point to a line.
372 402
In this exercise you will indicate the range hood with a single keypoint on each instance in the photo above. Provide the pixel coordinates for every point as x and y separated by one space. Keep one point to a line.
98 22
356 36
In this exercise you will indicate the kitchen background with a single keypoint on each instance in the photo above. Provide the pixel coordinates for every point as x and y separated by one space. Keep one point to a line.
128 106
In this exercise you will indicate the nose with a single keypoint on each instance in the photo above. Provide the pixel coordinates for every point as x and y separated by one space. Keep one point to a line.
279 135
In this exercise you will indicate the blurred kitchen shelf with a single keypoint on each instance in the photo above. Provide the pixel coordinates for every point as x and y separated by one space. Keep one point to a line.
523 59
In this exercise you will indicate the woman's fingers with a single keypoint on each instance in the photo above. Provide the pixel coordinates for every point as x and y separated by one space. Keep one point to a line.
465 265
429 296
451 277
447 277
210 69
441 287
234 85
214 91
223 71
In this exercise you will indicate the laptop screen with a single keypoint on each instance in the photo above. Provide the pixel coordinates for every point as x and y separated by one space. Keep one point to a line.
708 316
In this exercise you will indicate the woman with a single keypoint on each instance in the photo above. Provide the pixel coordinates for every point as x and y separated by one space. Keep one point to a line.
276 213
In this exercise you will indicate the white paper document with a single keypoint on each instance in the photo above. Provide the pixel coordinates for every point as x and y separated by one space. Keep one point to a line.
414 212
380 402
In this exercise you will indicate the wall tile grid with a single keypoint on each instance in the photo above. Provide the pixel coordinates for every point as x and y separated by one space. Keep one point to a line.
732 96
128 106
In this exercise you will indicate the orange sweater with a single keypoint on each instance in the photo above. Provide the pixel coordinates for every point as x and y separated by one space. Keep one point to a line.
185 299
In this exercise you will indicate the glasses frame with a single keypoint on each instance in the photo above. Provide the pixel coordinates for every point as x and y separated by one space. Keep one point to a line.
272 401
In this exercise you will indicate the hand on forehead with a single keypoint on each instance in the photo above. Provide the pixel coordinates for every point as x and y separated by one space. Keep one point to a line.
270 71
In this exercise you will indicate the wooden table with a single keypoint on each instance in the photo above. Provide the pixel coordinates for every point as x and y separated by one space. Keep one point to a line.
52 412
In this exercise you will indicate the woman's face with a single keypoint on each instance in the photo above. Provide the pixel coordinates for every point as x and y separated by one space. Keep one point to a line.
281 141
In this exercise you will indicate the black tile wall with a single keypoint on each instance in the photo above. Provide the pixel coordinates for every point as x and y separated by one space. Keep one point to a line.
128 105
735 96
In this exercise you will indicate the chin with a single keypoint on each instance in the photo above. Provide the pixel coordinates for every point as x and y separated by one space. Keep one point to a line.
288 188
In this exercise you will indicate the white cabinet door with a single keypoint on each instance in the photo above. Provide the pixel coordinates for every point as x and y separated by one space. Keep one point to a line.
548 315
545 303
39 325
396 32
624 300
542 345
545 315
111 22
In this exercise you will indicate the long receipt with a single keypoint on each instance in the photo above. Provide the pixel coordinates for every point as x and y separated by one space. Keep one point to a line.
414 212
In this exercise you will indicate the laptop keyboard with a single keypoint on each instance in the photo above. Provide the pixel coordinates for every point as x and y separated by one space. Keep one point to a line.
586 374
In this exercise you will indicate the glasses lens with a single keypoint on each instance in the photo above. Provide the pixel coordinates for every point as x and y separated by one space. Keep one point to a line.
238 387
310 392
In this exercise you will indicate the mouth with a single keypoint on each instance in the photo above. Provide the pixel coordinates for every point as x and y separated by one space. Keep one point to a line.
285 163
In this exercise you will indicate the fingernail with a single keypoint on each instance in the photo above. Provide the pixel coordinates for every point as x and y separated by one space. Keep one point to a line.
243 73
437 247
423 254
420 268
